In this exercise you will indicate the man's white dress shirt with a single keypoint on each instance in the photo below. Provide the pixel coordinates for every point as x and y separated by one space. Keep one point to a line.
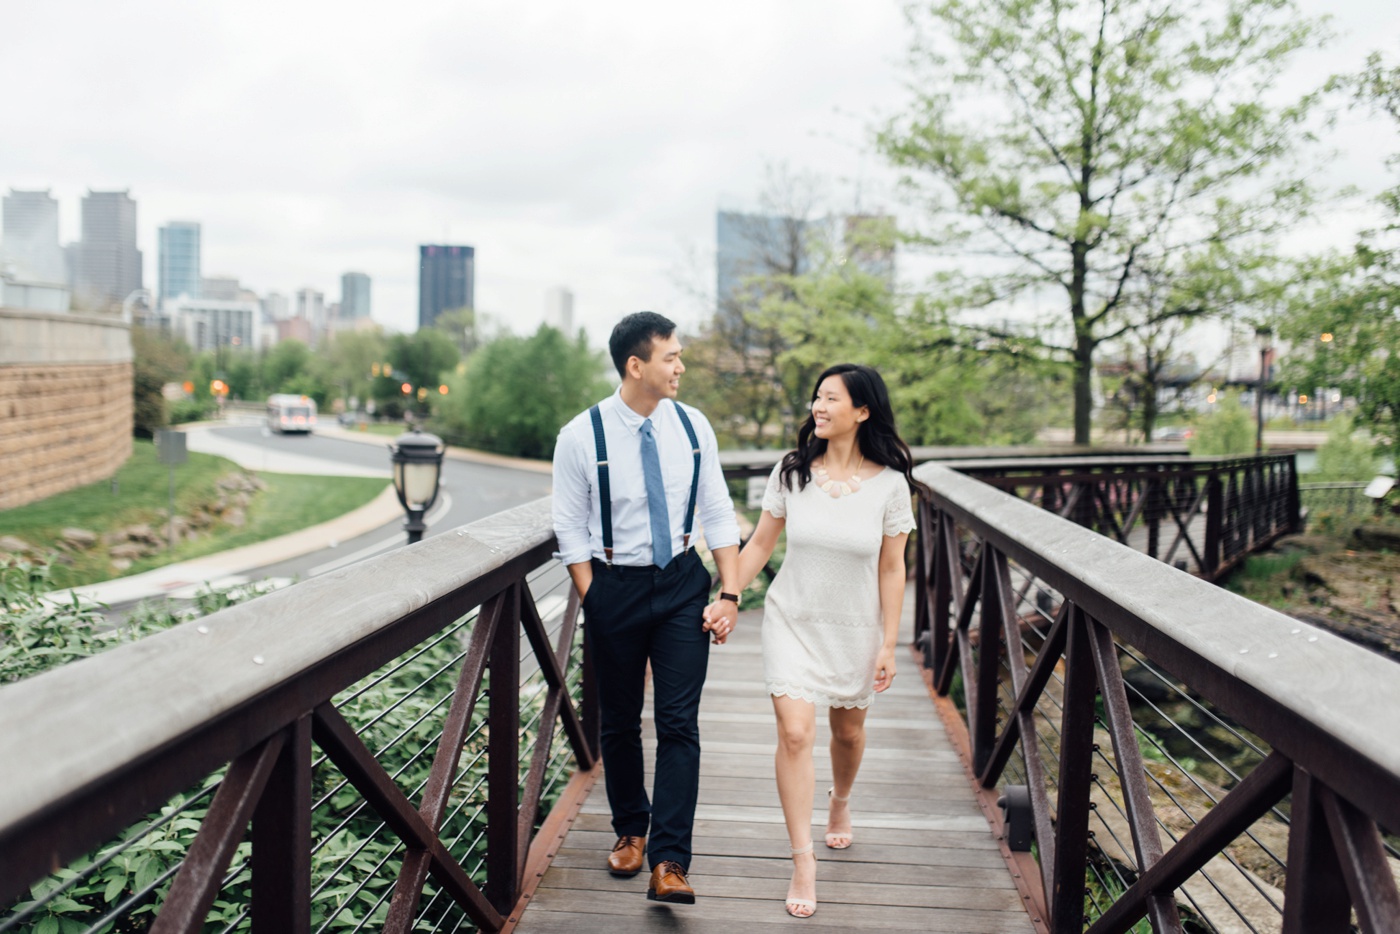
578 519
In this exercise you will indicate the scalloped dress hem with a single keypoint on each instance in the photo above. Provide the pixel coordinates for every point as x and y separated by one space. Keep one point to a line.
820 698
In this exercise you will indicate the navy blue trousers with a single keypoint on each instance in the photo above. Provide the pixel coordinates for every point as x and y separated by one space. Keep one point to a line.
636 615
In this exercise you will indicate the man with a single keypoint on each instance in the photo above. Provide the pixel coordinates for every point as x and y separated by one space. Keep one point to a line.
630 476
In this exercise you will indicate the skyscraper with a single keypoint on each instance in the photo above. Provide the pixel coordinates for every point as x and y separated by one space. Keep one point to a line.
354 296
223 288
109 267
179 260
559 310
30 240
755 245
446 280
311 305
750 247
274 306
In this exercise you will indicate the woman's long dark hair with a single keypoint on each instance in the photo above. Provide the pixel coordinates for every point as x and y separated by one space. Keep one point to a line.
878 440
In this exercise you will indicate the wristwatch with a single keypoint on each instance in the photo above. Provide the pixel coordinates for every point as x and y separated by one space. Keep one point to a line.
734 597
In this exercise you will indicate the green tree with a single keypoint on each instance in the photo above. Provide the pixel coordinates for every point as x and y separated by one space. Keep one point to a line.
285 362
1085 143
952 385
459 324
156 360
423 358
350 361
1226 430
1343 318
1345 455
518 392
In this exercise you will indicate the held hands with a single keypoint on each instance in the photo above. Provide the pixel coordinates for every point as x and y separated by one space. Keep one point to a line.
720 618
884 669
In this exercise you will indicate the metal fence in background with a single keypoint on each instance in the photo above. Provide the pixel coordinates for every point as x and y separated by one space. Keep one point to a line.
1202 514
1340 499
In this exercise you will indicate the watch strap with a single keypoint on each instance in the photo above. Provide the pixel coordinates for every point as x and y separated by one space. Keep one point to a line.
729 596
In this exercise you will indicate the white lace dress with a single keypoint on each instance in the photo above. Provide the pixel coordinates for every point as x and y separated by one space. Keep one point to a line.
822 629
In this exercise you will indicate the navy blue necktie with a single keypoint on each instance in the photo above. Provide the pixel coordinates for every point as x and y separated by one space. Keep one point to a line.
656 499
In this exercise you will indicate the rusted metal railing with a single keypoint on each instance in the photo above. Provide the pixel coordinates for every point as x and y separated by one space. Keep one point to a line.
1044 630
102 745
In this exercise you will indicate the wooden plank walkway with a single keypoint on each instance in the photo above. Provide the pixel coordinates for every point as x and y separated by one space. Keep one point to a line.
924 858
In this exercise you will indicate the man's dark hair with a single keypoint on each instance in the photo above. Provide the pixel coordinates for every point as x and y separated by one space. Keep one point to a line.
634 335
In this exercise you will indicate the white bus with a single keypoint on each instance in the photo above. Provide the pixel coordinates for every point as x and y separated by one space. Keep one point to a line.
287 412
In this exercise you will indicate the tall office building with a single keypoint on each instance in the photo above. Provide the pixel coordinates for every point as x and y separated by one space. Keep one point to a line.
223 288
30 236
109 266
446 280
274 307
178 260
354 296
211 323
559 310
311 307
750 246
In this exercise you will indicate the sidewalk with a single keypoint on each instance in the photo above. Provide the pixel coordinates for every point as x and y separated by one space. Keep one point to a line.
183 578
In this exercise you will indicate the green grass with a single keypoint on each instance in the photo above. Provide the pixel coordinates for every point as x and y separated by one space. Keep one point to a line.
1263 577
290 503
388 429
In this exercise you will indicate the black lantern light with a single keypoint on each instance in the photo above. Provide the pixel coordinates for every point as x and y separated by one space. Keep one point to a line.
417 458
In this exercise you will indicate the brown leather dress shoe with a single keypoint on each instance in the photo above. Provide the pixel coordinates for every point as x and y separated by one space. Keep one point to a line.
668 884
626 857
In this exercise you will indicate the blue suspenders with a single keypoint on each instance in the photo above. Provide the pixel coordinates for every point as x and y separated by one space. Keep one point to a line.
605 488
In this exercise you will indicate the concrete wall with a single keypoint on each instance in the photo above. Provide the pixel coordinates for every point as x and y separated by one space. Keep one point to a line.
65 402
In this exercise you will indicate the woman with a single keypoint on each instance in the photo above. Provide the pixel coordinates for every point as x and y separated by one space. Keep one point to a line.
831 619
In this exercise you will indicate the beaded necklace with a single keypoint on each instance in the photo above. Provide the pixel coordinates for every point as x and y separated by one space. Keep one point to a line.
838 488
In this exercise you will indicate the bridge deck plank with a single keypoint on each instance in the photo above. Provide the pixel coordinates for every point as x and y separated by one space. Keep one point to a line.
923 858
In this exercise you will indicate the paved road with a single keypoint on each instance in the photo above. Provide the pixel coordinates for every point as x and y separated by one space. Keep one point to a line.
470 490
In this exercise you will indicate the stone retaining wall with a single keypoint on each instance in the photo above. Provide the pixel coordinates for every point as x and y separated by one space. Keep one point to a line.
65 402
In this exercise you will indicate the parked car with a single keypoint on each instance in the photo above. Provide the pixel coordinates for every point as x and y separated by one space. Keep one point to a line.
1173 433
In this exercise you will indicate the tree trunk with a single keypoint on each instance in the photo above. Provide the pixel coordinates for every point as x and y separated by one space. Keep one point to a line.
1083 388
1149 410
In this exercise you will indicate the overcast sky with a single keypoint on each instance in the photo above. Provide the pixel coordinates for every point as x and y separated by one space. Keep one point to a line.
577 144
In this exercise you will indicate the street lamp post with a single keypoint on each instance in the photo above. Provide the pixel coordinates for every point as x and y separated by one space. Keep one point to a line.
417 458
1265 335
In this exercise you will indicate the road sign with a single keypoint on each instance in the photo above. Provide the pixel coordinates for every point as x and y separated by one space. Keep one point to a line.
170 446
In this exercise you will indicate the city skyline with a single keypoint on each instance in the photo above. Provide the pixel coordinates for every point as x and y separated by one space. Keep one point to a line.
571 170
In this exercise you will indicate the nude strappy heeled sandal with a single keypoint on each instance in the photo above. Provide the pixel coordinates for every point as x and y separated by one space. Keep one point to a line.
835 840
794 906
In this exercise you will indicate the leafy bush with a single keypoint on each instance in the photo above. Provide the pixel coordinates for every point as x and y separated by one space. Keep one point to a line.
190 410
1224 431
1345 455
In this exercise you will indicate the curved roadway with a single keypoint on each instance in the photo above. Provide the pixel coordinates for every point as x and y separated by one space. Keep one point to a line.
473 486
